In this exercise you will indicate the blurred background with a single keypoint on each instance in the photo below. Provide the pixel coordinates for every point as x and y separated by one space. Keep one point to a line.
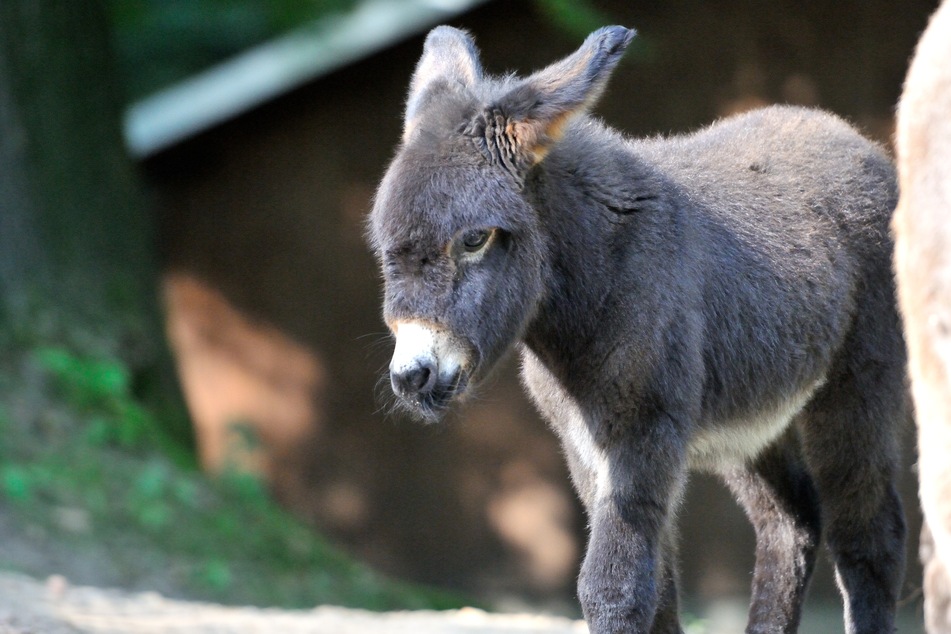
186 293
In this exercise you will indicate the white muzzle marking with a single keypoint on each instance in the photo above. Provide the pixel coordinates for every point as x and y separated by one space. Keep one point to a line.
417 341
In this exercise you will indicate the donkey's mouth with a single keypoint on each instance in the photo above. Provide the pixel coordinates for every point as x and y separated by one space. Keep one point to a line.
433 404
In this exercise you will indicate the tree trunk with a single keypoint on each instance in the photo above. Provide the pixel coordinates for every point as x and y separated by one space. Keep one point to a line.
73 230
76 240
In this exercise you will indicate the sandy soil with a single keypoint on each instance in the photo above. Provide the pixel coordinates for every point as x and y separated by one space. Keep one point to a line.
28 606
53 606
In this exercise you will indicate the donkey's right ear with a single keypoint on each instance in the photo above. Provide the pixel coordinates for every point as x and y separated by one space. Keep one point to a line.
449 58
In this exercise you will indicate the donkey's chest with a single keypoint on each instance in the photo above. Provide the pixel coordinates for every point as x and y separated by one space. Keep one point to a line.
575 429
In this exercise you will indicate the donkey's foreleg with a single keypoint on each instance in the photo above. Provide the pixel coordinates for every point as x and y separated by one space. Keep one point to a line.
781 502
667 615
627 579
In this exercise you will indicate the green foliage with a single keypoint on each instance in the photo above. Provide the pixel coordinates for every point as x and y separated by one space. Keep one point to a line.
84 466
87 382
99 390
578 18
693 625
215 574
17 483
575 17
160 42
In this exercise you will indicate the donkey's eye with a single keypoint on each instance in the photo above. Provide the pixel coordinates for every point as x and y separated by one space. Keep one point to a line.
473 241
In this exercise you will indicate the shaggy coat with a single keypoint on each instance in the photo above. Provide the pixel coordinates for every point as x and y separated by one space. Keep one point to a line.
719 301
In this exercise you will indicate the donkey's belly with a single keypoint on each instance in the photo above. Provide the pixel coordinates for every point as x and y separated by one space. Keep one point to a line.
723 444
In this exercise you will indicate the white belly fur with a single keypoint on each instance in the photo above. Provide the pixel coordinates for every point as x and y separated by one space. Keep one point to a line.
731 443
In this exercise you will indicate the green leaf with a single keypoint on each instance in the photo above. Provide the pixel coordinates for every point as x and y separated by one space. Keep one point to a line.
17 484
216 574
87 382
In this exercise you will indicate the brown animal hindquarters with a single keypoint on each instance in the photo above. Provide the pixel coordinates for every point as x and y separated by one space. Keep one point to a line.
923 266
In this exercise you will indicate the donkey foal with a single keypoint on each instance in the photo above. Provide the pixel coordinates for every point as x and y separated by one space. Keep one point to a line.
720 301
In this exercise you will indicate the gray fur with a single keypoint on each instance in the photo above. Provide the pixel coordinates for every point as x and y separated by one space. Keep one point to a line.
720 301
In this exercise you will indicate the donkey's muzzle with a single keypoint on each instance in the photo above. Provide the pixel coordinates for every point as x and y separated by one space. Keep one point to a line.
414 381
429 367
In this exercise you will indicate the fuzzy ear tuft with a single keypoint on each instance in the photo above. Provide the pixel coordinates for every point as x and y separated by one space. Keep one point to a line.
450 59
534 114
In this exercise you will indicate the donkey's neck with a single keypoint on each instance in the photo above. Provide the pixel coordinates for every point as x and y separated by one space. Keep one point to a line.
600 206
575 291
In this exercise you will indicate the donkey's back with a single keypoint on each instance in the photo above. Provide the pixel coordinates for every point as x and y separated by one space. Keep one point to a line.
760 171
788 210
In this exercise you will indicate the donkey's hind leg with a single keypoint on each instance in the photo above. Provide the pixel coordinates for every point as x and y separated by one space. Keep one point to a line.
778 496
850 442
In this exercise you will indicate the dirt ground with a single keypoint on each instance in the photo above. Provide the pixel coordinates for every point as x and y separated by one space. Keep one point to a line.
54 606
28 606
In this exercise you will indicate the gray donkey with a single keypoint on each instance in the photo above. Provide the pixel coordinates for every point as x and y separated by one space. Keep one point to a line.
720 301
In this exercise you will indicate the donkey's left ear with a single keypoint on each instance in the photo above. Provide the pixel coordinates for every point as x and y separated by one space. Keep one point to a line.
536 111
450 60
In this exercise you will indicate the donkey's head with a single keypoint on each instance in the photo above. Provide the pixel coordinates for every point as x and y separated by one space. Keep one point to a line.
462 250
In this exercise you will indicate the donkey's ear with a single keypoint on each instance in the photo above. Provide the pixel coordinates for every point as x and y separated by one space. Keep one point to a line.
537 110
450 59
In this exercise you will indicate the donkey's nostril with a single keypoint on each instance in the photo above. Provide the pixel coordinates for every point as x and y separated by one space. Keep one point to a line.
419 378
